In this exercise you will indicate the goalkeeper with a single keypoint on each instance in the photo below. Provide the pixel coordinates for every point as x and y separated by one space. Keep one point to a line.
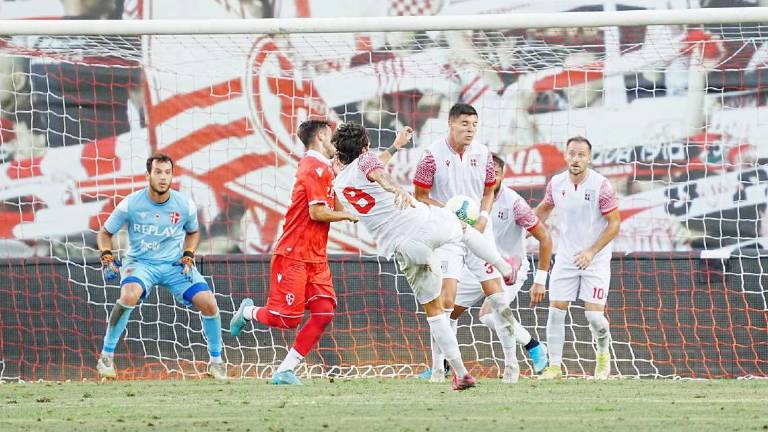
163 234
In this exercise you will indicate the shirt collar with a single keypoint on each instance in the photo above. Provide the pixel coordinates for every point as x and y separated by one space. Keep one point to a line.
319 156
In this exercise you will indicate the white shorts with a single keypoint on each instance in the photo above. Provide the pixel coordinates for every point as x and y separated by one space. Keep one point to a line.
567 282
416 255
470 292
455 259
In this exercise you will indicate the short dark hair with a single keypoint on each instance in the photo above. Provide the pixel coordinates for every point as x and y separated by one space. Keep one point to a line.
308 129
159 157
350 139
578 138
498 161
460 109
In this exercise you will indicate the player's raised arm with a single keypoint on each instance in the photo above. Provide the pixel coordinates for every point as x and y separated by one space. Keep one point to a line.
402 198
401 140
540 233
422 182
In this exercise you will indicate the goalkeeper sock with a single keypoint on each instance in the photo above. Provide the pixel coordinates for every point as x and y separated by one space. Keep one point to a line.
555 335
118 321
600 328
212 331
291 360
484 249
446 340
507 340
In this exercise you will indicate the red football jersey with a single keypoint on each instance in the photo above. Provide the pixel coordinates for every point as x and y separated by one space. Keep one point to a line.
304 239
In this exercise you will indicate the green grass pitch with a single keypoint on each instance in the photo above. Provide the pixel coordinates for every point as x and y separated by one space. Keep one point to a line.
385 405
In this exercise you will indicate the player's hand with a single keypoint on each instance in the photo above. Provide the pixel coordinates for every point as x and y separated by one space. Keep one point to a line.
583 259
482 221
403 137
403 200
110 267
537 293
352 218
187 263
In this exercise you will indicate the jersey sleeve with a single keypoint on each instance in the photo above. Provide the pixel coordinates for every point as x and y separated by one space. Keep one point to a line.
490 173
369 163
191 225
608 200
425 171
549 199
118 218
524 215
316 182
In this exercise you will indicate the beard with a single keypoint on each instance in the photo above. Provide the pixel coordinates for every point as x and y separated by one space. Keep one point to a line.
159 190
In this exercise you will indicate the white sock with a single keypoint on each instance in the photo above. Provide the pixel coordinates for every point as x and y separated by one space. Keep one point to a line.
291 360
507 340
504 314
216 359
438 359
522 335
249 312
446 340
484 249
600 328
555 335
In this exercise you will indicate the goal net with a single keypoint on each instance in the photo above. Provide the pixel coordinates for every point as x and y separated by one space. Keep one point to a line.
677 115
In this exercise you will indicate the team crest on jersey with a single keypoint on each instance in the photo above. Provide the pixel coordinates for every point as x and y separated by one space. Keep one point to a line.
174 217
503 215
319 172
447 163
289 298
588 195
157 216
279 277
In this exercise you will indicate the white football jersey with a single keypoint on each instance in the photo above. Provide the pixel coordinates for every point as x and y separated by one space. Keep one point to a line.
512 218
446 173
580 209
375 206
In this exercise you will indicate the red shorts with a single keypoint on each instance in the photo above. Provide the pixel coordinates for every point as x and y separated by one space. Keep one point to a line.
294 283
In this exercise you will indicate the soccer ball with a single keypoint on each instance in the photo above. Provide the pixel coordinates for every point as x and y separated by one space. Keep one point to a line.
465 208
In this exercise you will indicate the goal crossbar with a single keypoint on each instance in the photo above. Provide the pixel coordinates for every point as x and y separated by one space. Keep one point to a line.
385 24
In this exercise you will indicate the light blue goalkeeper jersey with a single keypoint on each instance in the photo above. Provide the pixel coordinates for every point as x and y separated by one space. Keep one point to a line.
155 231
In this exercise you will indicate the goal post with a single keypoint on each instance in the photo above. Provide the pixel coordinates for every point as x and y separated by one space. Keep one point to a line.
675 103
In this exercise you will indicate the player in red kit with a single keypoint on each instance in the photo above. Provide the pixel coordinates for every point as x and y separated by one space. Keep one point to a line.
300 277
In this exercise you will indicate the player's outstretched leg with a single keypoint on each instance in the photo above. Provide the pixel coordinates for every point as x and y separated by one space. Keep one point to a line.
555 341
130 293
599 326
486 251
239 320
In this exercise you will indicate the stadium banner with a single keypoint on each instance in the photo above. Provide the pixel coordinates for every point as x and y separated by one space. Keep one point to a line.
689 167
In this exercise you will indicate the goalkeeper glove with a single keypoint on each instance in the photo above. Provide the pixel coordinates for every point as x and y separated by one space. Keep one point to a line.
187 263
110 267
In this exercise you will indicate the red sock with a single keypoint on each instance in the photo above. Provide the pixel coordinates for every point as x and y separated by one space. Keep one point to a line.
321 314
265 317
